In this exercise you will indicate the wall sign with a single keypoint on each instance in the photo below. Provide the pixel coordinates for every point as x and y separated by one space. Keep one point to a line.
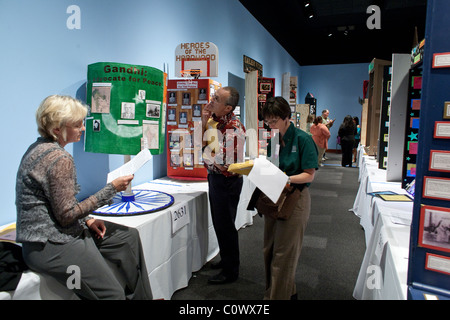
203 56
442 130
441 60
439 160
436 188
251 65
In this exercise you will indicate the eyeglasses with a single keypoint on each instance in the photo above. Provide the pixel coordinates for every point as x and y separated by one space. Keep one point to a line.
271 122
216 98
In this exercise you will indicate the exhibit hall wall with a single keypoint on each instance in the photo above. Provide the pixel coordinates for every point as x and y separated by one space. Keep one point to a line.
337 88
48 44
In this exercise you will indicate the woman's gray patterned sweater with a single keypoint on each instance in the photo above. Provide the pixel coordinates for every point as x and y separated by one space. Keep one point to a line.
46 186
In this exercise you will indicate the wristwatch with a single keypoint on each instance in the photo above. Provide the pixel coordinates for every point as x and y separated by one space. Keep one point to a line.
289 181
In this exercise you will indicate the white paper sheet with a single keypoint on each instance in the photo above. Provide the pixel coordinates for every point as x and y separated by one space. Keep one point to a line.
131 166
268 178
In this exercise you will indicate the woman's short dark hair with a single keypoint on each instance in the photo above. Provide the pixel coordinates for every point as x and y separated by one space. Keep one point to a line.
276 107
318 120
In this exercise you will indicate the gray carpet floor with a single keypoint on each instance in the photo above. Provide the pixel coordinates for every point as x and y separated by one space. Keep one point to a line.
332 254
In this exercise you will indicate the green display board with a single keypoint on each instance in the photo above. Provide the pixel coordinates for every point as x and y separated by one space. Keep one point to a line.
127 109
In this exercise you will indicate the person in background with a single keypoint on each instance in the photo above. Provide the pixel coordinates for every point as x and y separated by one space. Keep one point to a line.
283 238
347 132
329 123
320 134
309 122
224 145
55 229
326 118
357 138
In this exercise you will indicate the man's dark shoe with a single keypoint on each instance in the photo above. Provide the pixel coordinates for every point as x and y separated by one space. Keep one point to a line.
220 278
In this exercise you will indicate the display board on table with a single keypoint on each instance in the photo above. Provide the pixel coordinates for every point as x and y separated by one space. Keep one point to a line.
375 88
186 100
429 256
411 144
127 109
384 118
266 90
127 116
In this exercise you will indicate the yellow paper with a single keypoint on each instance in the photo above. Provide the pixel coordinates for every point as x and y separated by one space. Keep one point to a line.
394 197
9 233
241 168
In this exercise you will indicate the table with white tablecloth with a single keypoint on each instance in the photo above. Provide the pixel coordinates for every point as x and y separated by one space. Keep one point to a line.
383 273
171 257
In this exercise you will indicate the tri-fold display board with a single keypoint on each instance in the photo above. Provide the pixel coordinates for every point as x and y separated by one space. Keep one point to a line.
127 111
185 102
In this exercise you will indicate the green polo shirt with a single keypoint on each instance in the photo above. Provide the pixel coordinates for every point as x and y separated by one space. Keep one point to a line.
299 152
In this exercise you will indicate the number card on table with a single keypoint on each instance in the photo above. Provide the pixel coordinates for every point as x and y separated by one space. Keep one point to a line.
180 217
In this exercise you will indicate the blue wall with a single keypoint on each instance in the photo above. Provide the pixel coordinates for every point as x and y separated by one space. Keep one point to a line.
41 56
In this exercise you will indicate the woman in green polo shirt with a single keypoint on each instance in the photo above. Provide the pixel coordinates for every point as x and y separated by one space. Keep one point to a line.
296 155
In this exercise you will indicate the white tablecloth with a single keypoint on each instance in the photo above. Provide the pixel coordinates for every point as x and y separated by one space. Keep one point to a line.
371 180
170 258
383 273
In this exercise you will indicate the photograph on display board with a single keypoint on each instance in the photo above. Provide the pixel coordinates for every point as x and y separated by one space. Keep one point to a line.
175 159
183 118
435 228
153 110
128 110
202 95
172 114
151 135
197 110
188 159
188 142
172 98
101 98
186 98
174 140
96 125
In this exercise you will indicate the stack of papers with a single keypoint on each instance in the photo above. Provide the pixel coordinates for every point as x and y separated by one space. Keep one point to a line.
268 178
131 166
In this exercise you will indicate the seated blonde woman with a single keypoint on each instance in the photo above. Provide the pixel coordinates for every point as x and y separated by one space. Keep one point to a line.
55 229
